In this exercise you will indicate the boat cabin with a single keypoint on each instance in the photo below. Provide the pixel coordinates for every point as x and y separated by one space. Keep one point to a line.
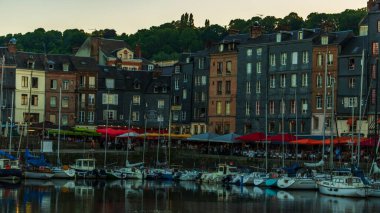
226 169
85 164
350 181
5 164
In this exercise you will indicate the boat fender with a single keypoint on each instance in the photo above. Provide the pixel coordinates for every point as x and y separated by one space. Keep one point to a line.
65 167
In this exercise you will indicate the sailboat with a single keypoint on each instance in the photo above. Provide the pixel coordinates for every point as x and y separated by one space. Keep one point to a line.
36 167
61 171
9 168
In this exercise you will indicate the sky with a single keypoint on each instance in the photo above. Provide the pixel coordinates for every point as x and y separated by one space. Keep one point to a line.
128 16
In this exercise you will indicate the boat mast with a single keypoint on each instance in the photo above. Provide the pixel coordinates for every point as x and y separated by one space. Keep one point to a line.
59 124
296 108
360 106
332 127
282 131
324 109
106 140
266 136
1 95
11 120
129 132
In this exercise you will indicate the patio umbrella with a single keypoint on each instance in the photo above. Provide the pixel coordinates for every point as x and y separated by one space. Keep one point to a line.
257 136
227 138
203 137
128 134
305 141
279 137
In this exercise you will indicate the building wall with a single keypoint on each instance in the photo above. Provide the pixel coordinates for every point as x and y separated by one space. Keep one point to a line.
27 90
222 123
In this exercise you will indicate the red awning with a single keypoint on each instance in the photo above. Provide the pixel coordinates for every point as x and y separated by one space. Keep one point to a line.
257 136
286 137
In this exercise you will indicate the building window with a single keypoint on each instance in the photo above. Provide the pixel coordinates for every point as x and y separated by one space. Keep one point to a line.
304 82
284 57
91 117
258 87
248 87
228 107
53 101
271 126
91 99
330 59
53 84
184 94
177 69
34 82
257 107
24 99
378 26
201 63
318 102
278 37
351 83
305 57
82 81
176 84
53 118
272 60
294 57
34 100
330 80
185 78
351 64
135 116
324 40
352 101
65 120
228 87
319 81
65 102
204 80
283 107
65 67
110 99
110 83
293 106
228 67
218 107
294 80
259 51
271 107
249 68
91 82
300 35
82 116
219 68
375 48
24 81
65 84
304 106
249 52
247 108
329 101
258 67
219 87
315 122
109 114
136 100
283 80
160 104
319 59
272 81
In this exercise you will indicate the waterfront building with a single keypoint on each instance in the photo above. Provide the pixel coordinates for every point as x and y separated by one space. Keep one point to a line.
326 50
223 84
60 86
182 103
86 70
30 87
7 82
199 93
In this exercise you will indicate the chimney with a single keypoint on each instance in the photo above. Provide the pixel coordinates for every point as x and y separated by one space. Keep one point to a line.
138 51
370 4
256 30
233 31
12 46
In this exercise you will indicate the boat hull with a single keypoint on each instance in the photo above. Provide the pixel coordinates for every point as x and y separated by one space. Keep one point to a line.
343 192
296 183
10 174
64 174
38 175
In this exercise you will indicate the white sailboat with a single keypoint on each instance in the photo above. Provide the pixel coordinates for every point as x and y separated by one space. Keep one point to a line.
61 171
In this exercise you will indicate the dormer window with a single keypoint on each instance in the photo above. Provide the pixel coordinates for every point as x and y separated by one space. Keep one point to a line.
324 40
155 89
65 67
150 67
363 30
30 64
187 60
177 69
300 35
221 47
50 64
278 37
136 85
164 89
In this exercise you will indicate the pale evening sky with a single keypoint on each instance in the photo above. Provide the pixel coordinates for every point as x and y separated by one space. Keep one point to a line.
21 16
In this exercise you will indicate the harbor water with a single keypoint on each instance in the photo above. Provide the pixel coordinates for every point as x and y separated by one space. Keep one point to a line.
167 197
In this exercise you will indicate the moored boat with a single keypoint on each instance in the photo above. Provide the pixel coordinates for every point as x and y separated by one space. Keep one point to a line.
345 186
10 170
64 172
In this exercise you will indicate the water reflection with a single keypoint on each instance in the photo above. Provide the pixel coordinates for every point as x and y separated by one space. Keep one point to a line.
150 196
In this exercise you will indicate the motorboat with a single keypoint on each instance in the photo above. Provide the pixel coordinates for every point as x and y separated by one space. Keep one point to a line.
85 168
224 172
300 182
343 185
64 172
10 170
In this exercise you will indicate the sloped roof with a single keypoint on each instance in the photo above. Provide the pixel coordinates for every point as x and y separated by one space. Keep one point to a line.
354 46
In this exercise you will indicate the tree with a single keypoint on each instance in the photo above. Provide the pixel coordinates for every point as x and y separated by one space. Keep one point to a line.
269 23
239 24
207 23
290 22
